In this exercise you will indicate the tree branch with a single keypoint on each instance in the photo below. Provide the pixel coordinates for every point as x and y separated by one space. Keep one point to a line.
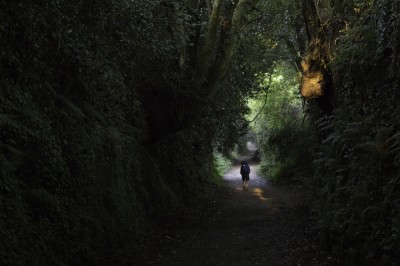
265 101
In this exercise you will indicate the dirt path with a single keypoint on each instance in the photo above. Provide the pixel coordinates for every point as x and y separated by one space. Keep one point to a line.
264 225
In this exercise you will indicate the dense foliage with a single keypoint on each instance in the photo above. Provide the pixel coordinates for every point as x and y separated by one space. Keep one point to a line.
281 127
350 150
110 112
358 163
108 118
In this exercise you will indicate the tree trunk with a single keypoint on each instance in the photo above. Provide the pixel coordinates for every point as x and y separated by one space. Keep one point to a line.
207 54
324 19
221 66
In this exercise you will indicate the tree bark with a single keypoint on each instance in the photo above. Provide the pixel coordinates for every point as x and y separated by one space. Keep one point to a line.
207 54
215 56
222 64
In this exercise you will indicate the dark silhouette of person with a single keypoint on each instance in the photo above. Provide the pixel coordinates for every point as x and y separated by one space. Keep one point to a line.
245 172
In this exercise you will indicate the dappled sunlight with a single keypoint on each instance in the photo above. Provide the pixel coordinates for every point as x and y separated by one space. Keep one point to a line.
254 191
313 71
312 79
311 85
259 193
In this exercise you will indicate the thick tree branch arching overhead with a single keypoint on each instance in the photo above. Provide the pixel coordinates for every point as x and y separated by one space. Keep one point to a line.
207 53
215 56
222 64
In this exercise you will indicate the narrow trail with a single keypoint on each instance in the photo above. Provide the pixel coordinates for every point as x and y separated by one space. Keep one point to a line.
264 225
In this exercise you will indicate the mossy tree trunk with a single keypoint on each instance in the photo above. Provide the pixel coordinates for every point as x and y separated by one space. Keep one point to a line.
221 41
324 19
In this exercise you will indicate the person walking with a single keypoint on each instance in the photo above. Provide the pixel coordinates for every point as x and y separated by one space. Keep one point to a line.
245 172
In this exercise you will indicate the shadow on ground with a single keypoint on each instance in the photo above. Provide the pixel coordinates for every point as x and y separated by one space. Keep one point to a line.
264 225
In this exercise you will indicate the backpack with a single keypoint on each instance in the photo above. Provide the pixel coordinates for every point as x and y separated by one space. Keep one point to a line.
245 169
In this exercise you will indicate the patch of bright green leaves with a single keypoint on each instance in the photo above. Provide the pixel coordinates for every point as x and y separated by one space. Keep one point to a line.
279 126
221 163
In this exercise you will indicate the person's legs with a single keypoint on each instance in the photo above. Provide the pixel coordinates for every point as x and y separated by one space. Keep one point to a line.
247 182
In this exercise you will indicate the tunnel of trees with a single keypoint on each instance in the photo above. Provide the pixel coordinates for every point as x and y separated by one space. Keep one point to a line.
115 113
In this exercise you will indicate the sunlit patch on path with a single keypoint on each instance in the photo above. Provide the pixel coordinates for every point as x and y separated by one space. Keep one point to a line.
259 193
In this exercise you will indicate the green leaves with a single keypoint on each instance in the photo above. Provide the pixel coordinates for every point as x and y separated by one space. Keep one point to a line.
278 123
357 162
